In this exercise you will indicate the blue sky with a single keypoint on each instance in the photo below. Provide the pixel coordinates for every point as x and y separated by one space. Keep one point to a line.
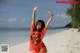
18 13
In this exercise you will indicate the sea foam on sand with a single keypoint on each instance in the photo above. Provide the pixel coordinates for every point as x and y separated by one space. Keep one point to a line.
67 41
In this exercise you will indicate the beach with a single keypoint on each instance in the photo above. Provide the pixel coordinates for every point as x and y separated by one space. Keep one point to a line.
67 41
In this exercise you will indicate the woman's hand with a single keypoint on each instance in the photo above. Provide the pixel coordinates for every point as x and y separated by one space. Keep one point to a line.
35 39
50 13
36 8
34 14
50 19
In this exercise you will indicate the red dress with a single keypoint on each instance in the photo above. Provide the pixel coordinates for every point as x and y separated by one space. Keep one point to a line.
38 36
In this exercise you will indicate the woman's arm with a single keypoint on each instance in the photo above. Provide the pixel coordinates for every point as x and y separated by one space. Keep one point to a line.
34 14
50 19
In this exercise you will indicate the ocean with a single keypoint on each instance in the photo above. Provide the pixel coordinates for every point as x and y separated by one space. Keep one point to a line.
15 37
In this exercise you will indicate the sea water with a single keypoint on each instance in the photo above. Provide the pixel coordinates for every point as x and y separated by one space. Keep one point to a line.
15 37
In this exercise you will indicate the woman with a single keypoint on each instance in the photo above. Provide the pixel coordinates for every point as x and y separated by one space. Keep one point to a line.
37 33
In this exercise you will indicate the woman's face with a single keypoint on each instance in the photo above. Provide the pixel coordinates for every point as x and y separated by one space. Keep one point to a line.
39 25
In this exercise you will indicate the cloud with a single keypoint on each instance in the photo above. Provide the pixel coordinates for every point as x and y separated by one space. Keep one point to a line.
62 15
8 20
11 20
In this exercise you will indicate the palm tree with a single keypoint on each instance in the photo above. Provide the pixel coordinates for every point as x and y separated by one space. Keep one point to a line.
74 12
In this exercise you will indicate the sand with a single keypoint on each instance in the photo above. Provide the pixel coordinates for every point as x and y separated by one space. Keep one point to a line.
67 41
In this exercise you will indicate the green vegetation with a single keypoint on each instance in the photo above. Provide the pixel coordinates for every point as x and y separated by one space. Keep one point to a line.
74 12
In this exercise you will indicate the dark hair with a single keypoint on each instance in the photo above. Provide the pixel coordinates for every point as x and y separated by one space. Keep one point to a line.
42 23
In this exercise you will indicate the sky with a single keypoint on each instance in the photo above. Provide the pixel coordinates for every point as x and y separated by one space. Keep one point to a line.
18 13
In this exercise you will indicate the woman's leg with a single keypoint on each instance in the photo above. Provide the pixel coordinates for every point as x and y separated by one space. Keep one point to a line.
43 50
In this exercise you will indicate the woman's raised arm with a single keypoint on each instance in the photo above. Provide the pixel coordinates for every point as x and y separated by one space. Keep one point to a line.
34 14
50 19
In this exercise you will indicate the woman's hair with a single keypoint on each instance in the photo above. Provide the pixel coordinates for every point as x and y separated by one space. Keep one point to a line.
42 25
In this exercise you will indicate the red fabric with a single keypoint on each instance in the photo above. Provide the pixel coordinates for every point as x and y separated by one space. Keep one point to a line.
39 35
